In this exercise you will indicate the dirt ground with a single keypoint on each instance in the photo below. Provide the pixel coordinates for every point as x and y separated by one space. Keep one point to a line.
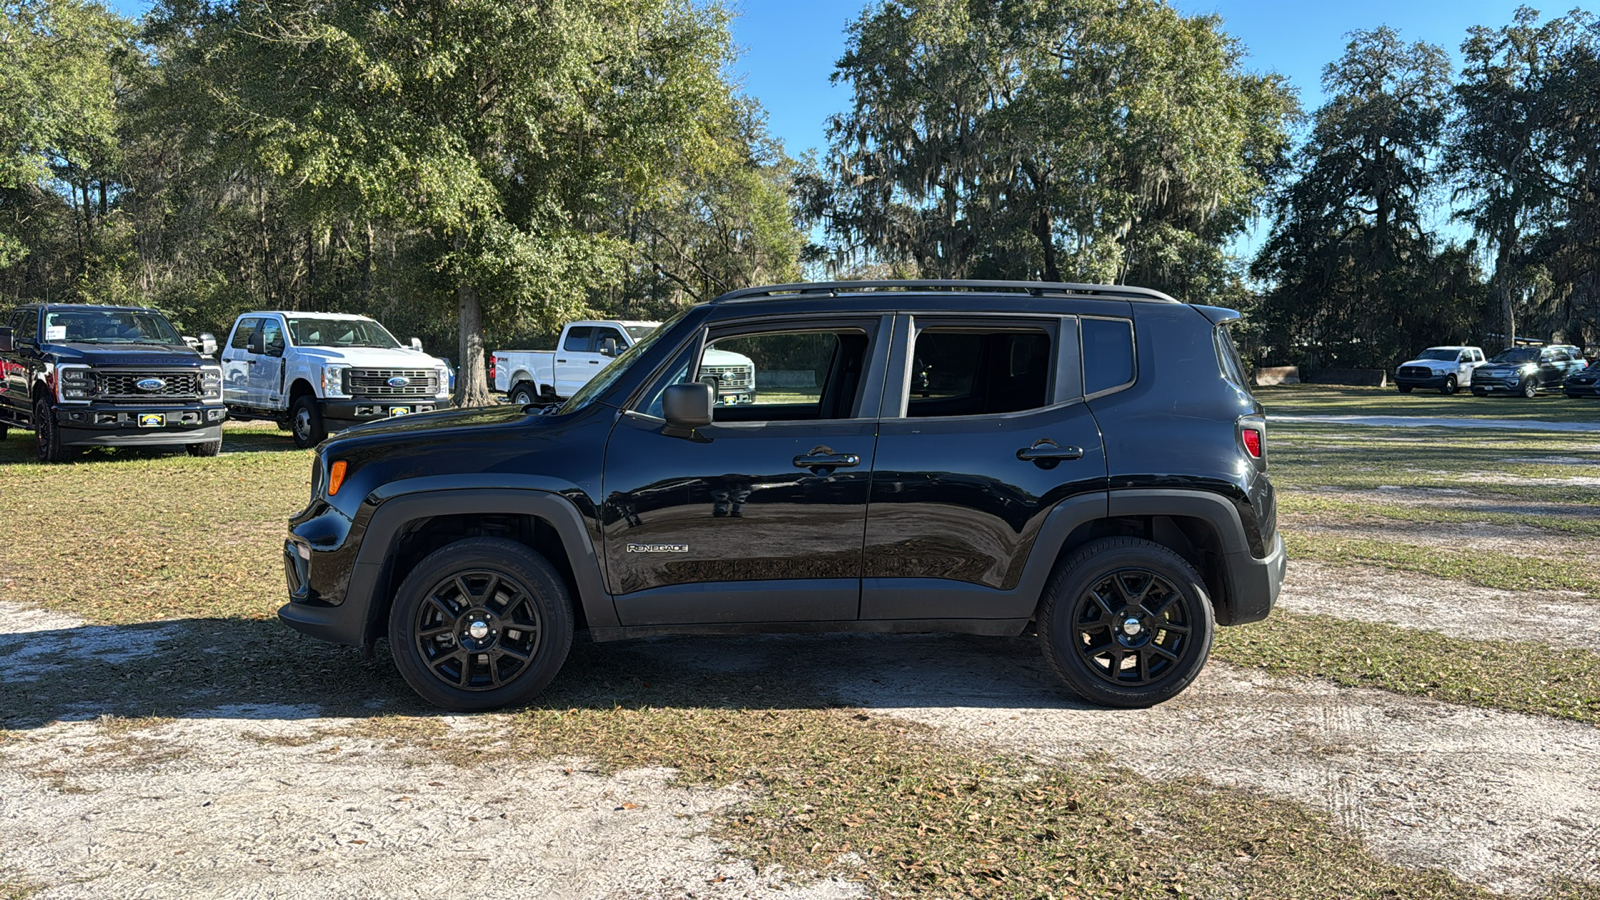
259 800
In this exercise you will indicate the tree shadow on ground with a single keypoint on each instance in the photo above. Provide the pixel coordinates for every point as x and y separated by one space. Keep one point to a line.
258 669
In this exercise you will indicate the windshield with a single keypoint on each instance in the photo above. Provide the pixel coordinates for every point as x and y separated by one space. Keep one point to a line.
109 326
642 330
608 375
313 331
1517 355
1444 353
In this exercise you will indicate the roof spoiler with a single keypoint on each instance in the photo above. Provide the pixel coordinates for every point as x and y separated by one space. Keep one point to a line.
1217 314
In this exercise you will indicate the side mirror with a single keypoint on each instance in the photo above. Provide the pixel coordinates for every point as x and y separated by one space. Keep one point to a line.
5 339
688 405
416 344
208 343
256 344
608 347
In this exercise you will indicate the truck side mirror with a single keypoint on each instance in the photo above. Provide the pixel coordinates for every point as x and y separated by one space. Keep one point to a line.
687 406
5 339
608 346
416 344
257 342
208 343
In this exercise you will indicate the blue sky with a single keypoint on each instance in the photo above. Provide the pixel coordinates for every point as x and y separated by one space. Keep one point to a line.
788 48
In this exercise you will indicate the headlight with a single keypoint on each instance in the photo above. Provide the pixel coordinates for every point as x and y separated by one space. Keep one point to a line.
443 374
211 384
75 384
333 380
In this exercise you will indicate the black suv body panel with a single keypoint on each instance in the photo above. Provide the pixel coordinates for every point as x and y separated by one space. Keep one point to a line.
907 522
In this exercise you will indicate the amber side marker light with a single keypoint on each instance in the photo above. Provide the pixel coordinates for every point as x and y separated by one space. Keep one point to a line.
336 477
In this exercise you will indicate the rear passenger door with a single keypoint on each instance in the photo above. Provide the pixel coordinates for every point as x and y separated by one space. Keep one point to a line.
573 369
984 431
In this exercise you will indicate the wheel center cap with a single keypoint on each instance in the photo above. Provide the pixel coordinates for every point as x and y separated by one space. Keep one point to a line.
1131 627
479 629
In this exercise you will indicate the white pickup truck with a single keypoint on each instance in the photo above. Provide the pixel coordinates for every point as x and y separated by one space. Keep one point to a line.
312 372
586 347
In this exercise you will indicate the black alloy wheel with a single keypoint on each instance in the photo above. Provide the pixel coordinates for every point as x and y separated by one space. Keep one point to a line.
47 434
1449 386
480 624
305 422
1126 622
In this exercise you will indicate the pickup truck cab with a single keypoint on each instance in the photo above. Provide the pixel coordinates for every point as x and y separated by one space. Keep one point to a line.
1444 369
112 376
316 372
586 347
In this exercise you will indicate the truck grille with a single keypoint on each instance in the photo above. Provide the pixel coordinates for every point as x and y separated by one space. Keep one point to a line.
1416 371
375 383
729 378
122 386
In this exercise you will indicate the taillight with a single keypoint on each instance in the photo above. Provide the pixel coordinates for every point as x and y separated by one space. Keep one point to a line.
491 368
1252 442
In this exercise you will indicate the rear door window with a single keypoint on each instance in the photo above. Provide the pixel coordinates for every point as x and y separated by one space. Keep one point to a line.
965 371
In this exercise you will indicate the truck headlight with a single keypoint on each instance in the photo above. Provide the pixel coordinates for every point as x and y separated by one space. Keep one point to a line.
75 384
211 384
443 374
333 380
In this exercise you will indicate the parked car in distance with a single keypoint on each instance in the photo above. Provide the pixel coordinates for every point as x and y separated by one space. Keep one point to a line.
586 347
316 372
80 375
1439 368
1527 370
1583 383
1084 460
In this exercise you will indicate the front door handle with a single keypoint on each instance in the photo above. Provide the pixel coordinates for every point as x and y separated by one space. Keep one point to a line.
594 362
1046 453
822 460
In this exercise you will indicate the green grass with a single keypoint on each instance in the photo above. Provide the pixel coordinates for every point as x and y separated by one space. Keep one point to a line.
1335 509
1510 675
1504 571
1335 400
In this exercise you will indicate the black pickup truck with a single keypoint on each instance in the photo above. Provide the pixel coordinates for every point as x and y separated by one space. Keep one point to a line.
1086 461
82 376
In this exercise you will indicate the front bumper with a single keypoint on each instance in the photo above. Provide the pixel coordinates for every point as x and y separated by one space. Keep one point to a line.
1581 390
1434 381
139 426
367 409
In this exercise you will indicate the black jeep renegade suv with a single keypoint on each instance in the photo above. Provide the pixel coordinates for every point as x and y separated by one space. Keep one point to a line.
979 457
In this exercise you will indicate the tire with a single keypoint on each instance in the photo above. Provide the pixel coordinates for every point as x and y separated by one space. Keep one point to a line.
204 448
1449 386
523 394
1405 388
305 422
1102 589
48 434
1530 388
1480 392
451 625
3 429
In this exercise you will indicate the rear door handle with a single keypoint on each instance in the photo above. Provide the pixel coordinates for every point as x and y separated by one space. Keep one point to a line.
1047 453
594 362
822 459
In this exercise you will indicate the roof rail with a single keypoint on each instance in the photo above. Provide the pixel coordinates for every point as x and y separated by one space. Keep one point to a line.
1034 288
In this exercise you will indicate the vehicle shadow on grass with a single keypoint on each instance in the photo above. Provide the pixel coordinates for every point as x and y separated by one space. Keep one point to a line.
260 670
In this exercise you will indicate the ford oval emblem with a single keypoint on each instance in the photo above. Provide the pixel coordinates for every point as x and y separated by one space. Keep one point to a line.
399 381
150 384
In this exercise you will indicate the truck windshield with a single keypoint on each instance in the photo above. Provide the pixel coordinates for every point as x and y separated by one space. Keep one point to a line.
641 330
1447 354
608 375
312 331
109 326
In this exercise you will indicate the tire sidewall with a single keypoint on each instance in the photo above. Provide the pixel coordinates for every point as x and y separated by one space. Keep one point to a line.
48 434
314 430
511 560
1086 567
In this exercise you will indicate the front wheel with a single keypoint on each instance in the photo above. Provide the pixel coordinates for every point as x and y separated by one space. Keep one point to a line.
480 624
1480 392
204 448
48 434
1449 386
1530 388
1405 388
305 422
1126 622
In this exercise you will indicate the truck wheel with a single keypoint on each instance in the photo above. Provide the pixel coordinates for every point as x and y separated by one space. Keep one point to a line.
1530 388
523 394
1449 386
305 422
204 448
480 624
48 433
3 430
1405 388
1126 622
1480 392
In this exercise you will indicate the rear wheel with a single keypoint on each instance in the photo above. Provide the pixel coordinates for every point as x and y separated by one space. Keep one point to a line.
1126 622
480 624
48 434
523 394
305 422
1449 386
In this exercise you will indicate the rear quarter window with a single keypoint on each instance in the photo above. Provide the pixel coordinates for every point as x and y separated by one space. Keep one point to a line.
1228 358
1107 354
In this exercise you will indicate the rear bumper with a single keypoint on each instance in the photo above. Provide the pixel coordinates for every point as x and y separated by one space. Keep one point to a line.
1254 584
134 426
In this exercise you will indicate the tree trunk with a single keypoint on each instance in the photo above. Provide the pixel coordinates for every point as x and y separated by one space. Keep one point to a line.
472 381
